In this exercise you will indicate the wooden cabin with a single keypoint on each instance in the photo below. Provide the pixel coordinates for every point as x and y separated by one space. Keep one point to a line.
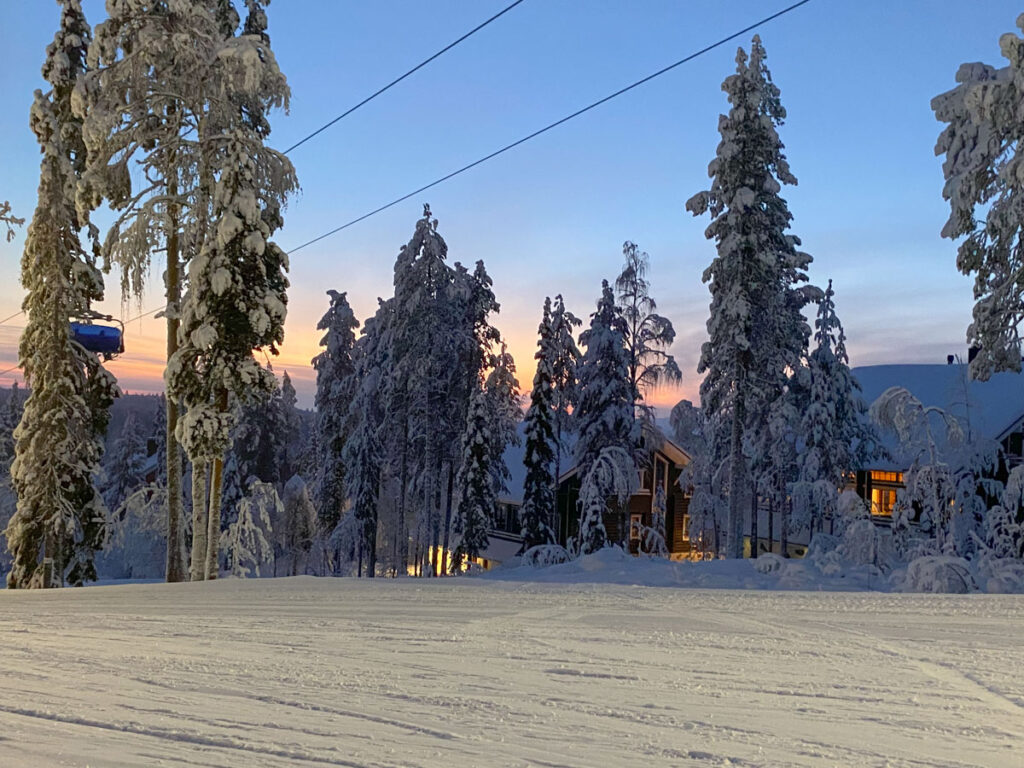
667 463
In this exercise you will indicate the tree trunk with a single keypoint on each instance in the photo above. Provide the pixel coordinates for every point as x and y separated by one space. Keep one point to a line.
175 570
771 525
447 520
784 529
401 535
198 569
734 522
753 522
216 486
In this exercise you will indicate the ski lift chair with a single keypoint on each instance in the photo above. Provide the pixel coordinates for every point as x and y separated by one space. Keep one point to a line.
105 340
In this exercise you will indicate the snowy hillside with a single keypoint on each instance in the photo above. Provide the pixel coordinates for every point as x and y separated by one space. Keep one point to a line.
304 672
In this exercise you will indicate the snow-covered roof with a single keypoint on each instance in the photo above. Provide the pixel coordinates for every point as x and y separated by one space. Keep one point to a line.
501 547
994 408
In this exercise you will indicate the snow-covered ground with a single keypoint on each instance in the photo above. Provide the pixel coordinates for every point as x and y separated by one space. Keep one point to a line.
467 672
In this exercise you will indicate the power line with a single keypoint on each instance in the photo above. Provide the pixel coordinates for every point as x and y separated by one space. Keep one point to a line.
12 368
397 80
7 319
514 144
557 123
348 112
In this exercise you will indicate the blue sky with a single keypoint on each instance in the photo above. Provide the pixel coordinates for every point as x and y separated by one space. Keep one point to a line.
550 217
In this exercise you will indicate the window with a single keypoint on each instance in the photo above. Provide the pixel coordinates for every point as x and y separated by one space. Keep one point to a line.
886 477
635 525
882 501
645 481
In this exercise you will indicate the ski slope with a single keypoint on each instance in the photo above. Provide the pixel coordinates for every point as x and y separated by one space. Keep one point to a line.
473 672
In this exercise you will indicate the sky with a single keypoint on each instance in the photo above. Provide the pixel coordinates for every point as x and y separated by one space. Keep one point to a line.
551 216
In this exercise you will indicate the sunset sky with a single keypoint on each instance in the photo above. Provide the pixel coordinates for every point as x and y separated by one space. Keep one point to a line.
551 216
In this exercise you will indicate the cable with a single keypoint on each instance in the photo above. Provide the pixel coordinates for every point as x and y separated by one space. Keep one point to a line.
7 319
555 124
145 314
396 81
514 144
12 368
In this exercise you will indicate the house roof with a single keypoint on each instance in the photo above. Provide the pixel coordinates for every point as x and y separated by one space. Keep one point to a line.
992 408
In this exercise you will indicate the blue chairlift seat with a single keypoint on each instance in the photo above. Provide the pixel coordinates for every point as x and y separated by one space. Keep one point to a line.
103 339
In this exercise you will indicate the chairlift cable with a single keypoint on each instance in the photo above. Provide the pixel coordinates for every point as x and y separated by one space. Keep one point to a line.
557 123
397 80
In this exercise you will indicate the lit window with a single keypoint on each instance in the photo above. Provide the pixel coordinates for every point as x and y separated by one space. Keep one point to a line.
882 501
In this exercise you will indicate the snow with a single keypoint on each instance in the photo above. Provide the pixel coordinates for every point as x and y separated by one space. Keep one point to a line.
993 407
306 672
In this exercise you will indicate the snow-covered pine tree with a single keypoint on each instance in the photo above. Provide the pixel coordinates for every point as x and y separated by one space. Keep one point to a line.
236 299
647 335
153 67
60 518
125 464
334 393
538 509
604 416
756 329
565 358
983 144
163 76
246 542
834 429
474 511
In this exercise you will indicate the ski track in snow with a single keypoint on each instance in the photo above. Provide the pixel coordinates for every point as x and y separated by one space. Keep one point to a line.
340 672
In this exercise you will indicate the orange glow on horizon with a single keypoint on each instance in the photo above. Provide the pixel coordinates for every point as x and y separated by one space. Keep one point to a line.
141 368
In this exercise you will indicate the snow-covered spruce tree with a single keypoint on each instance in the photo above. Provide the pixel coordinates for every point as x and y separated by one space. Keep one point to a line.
295 530
236 300
538 509
983 144
756 329
60 518
291 429
647 334
605 413
125 464
10 415
611 475
834 429
565 358
362 452
775 460
1004 535
703 476
334 393
504 409
476 500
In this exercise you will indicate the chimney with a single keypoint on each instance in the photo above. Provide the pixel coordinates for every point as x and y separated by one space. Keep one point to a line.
950 359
